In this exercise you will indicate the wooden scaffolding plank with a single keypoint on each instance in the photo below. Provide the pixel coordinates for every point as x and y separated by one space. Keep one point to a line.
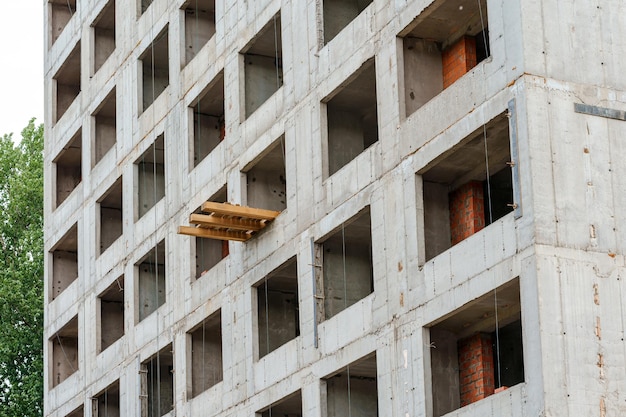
226 209
212 221
213 233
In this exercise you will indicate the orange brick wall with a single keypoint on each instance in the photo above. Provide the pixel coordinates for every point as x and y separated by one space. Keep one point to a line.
467 211
458 59
476 369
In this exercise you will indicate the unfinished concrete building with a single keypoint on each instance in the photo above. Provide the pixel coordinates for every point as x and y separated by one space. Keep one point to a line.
328 208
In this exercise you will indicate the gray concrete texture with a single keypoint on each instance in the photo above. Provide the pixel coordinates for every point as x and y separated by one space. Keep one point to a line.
116 122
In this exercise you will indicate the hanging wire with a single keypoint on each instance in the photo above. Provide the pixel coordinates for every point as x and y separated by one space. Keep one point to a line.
69 6
65 353
489 200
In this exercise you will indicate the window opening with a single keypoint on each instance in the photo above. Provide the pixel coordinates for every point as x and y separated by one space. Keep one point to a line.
347 267
111 215
61 11
111 303
443 43
339 13
209 252
67 81
459 197
144 4
157 383
278 319
477 350
263 68
290 406
151 176
154 69
104 35
151 280
107 402
79 412
65 262
206 354
68 168
266 179
105 127
352 391
352 117
65 352
209 127
199 26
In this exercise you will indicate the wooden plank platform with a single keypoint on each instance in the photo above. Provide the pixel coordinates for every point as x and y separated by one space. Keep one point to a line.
224 221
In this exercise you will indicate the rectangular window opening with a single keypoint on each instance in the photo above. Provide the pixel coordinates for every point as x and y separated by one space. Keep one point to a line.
61 11
339 13
104 35
157 384
353 390
347 266
206 354
68 166
437 52
263 68
105 127
352 117
111 218
209 252
107 402
65 262
151 281
457 193
290 406
209 127
199 26
151 176
278 307
67 81
155 74
65 352
111 325
266 180
469 360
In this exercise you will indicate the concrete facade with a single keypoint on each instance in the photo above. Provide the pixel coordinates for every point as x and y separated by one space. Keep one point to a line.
335 113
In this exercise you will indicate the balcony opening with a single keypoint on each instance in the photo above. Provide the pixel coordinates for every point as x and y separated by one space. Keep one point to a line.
104 35
155 73
199 26
61 11
339 13
209 252
263 66
151 176
459 199
278 319
476 352
65 262
68 168
206 354
444 42
151 281
352 117
352 390
65 352
207 116
107 402
290 406
111 218
157 384
105 127
347 269
266 179
111 326
67 81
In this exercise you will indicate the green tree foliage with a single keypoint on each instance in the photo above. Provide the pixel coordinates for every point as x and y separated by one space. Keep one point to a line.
21 273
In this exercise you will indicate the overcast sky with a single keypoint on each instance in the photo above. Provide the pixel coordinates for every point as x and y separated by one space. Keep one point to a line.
21 64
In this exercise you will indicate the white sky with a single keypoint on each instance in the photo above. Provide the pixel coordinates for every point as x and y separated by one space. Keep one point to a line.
21 64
